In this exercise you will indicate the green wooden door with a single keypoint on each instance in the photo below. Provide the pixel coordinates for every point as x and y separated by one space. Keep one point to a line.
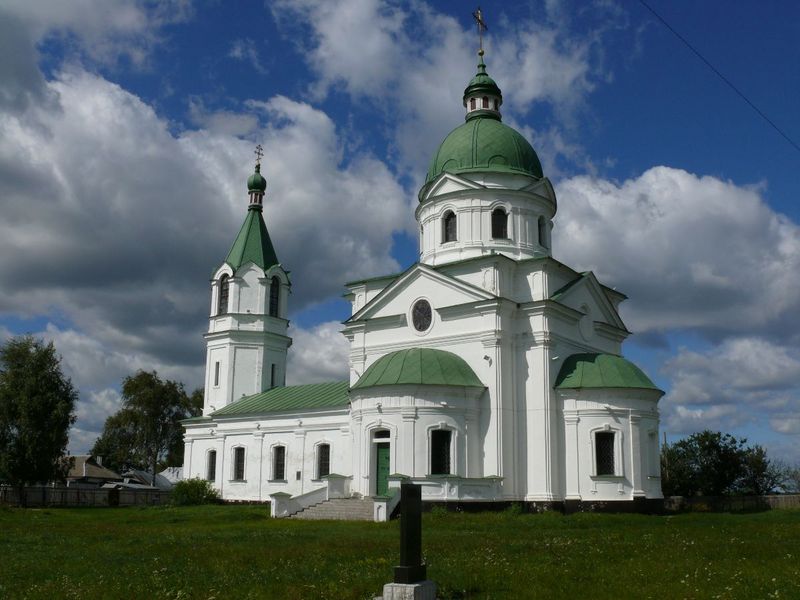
382 471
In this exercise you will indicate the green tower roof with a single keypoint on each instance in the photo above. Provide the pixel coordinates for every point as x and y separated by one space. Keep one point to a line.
481 83
252 244
484 144
601 371
425 366
256 181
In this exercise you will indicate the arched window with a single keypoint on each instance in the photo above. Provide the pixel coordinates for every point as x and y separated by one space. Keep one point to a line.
485 102
440 451
222 304
274 296
279 463
238 464
211 466
449 233
499 224
542 232
496 104
472 103
323 460
604 453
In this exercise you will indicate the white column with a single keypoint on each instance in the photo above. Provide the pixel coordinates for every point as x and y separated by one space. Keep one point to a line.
636 454
572 458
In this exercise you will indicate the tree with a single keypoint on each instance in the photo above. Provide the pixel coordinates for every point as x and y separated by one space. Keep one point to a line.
711 463
147 429
37 405
760 475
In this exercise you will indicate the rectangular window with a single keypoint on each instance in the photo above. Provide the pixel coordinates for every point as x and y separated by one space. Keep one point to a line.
279 463
440 451
323 460
211 468
238 464
216 374
272 376
604 453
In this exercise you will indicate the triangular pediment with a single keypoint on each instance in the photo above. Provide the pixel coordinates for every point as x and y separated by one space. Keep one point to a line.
587 292
420 281
448 183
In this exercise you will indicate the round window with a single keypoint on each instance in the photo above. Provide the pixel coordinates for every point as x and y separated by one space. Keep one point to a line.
421 315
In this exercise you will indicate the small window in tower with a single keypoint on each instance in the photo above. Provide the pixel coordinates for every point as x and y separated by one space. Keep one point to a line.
274 296
279 463
542 232
272 376
604 452
211 466
496 104
238 464
485 102
323 460
449 227
499 224
216 374
440 451
472 103
222 304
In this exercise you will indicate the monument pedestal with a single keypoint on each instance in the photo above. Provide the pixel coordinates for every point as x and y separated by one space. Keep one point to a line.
422 590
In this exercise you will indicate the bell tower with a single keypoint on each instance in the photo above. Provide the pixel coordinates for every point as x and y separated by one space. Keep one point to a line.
247 339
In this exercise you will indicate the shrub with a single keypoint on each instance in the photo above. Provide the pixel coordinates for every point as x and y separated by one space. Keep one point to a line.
193 491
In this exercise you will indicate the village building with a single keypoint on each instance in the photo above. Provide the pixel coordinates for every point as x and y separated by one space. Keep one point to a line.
487 372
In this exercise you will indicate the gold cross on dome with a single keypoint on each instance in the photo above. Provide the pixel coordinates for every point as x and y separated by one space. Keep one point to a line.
478 16
259 153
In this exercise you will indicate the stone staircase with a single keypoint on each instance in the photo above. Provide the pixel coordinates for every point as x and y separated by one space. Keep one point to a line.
340 509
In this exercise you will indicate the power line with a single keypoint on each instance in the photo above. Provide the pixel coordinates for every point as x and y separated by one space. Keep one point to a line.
720 75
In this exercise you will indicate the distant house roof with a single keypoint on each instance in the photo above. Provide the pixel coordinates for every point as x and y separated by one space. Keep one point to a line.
137 476
85 466
296 397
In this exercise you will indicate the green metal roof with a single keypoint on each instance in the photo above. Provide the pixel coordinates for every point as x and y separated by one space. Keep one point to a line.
256 181
252 244
484 144
425 366
481 83
592 370
292 398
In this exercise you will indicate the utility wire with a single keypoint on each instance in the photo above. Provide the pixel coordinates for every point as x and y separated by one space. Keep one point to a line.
720 75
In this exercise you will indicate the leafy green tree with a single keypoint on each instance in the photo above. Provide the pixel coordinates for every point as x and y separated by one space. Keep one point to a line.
194 491
711 463
37 404
146 431
708 463
760 475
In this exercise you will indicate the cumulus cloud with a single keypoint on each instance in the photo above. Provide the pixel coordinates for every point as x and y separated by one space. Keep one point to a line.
318 354
419 83
741 381
691 252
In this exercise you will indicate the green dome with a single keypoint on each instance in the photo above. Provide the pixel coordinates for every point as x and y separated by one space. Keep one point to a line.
601 371
484 144
256 181
419 366
482 83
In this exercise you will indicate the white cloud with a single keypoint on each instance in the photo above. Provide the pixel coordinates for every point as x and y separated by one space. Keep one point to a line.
368 49
244 49
318 354
740 381
690 251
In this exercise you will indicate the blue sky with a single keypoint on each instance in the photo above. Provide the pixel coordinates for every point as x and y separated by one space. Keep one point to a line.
127 130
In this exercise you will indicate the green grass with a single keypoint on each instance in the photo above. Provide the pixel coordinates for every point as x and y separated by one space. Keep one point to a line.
238 552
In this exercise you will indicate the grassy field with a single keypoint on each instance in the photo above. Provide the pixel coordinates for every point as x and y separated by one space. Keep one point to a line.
238 552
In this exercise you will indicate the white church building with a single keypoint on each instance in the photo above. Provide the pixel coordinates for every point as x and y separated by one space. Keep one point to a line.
487 372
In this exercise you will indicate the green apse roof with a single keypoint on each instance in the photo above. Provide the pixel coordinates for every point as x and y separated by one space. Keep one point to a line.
292 398
252 244
601 371
424 366
484 144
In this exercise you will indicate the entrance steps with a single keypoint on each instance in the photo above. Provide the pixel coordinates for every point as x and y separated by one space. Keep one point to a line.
339 509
